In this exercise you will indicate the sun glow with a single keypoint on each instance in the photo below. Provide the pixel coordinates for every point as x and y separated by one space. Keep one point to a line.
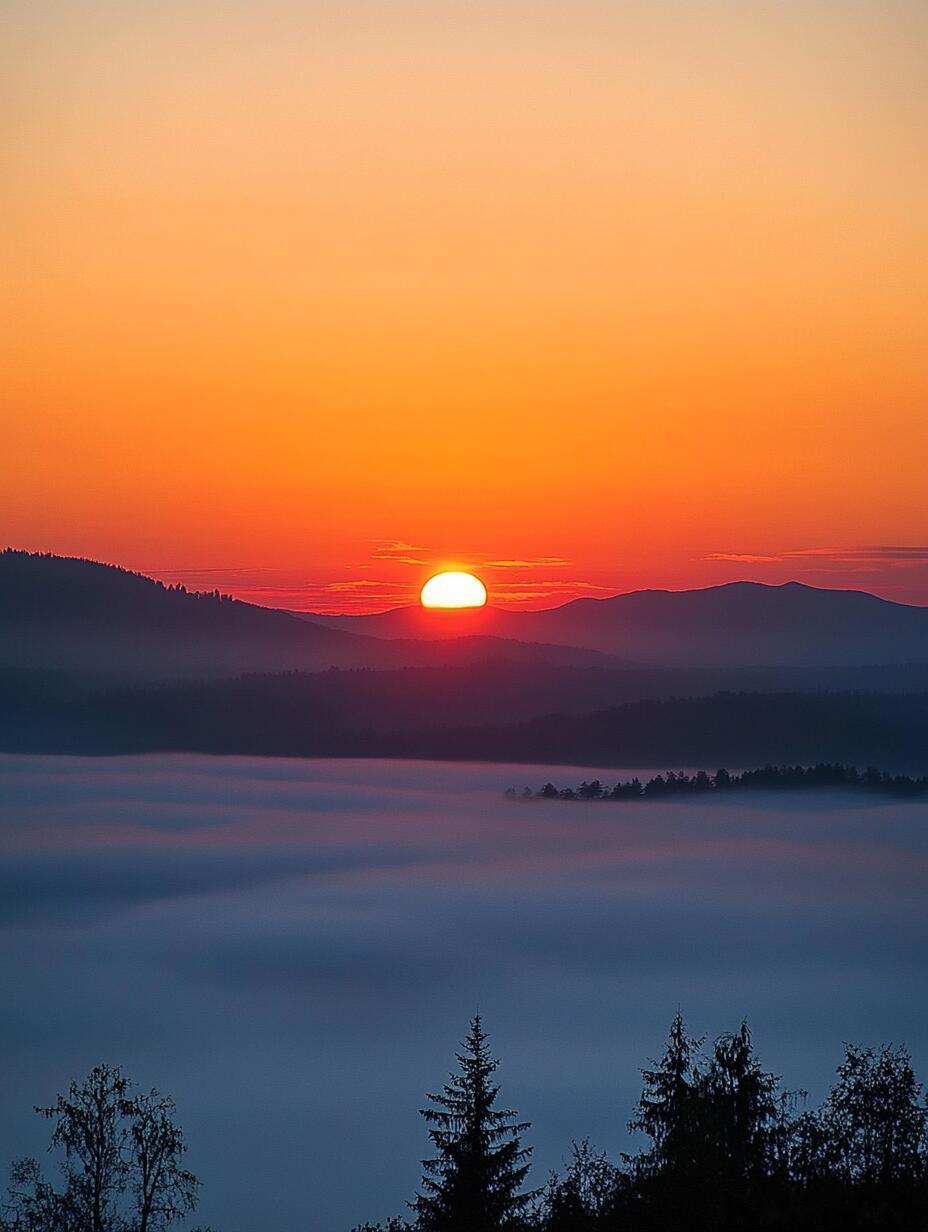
453 590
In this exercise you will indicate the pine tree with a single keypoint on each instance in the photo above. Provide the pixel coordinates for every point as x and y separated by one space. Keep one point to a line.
474 1183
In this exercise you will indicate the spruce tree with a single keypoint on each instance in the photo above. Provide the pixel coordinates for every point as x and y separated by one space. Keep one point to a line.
667 1110
474 1182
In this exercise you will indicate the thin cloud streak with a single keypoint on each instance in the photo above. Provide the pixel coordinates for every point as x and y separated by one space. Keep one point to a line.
535 562
853 555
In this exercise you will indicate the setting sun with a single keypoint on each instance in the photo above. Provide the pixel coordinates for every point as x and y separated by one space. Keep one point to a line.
453 590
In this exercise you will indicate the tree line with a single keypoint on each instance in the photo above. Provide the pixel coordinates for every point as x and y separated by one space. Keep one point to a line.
19 557
727 1149
823 774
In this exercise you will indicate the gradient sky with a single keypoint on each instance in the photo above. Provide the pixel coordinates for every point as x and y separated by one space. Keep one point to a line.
308 299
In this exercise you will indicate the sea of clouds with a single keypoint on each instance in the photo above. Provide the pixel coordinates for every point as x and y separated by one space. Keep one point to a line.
292 949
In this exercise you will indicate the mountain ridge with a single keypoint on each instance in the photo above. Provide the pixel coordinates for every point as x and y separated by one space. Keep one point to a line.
736 624
76 614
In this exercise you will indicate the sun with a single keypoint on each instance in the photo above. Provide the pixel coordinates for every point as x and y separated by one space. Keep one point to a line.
453 590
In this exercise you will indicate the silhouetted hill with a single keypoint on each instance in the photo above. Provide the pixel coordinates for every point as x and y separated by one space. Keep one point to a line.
739 624
465 693
59 613
403 714
71 614
79 616
737 729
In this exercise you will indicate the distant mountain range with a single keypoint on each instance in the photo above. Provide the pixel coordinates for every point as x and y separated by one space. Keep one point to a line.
94 658
78 615
736 625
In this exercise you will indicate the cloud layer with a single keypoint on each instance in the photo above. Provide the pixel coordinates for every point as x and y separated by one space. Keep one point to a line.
292 949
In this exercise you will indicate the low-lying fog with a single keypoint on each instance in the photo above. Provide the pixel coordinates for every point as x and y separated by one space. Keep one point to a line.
292 949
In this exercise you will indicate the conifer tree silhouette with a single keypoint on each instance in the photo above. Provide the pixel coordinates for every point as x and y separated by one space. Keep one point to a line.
667 1109
474 1182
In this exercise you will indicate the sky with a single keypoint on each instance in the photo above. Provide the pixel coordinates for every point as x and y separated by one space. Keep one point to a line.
308 300
292 950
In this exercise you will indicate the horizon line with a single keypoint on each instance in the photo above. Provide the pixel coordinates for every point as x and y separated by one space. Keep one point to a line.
258 596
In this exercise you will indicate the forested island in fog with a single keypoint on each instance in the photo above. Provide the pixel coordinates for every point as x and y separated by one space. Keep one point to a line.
679 783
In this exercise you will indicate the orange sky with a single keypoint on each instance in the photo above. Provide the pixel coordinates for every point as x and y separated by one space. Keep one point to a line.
307 299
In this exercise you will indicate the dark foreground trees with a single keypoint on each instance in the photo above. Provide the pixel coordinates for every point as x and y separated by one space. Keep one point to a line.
728 1150
120 1158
